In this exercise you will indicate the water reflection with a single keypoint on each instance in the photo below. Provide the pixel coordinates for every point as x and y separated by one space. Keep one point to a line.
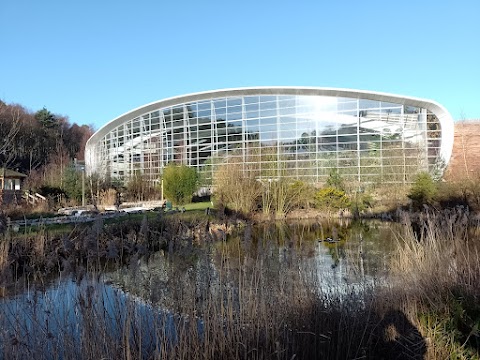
360 255
160 293
85 313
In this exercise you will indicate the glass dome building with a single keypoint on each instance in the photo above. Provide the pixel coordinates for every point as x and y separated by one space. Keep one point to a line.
296 132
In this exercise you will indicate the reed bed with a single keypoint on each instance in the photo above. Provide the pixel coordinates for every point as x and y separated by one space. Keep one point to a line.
254 297
435 277
248 310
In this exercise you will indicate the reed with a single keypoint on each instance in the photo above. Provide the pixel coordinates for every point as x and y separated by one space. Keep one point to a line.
247 303
435 276
252 297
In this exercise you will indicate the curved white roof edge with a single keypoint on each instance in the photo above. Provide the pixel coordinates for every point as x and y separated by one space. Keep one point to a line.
446 120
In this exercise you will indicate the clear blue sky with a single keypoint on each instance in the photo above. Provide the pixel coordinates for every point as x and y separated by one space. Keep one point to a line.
94 60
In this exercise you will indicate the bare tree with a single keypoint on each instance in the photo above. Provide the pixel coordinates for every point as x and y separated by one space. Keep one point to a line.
9 128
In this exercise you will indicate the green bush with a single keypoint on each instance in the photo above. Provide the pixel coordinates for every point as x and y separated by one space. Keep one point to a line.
331 199
303 194
179 183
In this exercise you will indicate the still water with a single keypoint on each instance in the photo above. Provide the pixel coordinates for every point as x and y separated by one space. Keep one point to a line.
358 255
169 287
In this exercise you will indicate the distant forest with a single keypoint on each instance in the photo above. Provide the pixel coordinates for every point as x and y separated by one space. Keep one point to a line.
31 141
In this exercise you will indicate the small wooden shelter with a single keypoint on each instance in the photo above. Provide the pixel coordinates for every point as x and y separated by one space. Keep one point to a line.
10 186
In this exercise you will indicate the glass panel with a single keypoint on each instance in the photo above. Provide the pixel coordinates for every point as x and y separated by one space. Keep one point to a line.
304 109
268 105
205 134
287 135
411 110
388 104
221 113
268 136
286 102
234 116
251 99
287 120
368 104
287 111
204 106
347 106
235 137
266 98
397 110
204 114
252 125
220 103
268 112
192 121
192 110
269 121
177 111
178 125
288 128
234 102
252 110
252 135
264 128
235 123
341 100
234 109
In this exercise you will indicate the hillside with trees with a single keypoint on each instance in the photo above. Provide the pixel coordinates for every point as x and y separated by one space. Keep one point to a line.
41 144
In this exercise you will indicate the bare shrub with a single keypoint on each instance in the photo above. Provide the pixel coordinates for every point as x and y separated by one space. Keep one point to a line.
108 197
237 187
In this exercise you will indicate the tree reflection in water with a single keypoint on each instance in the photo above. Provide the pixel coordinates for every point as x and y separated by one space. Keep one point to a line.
270 289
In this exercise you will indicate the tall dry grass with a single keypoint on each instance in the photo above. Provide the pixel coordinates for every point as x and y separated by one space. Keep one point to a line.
243 299
436 280
254 297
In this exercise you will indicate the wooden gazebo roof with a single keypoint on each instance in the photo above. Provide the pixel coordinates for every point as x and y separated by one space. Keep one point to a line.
7 173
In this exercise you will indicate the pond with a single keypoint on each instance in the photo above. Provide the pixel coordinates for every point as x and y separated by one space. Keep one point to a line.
253 291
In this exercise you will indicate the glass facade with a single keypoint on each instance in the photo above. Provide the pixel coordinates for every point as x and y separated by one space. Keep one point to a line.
275 134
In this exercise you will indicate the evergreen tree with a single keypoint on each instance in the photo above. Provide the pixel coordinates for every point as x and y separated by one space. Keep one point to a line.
46 118
335 180
72 183
423 190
